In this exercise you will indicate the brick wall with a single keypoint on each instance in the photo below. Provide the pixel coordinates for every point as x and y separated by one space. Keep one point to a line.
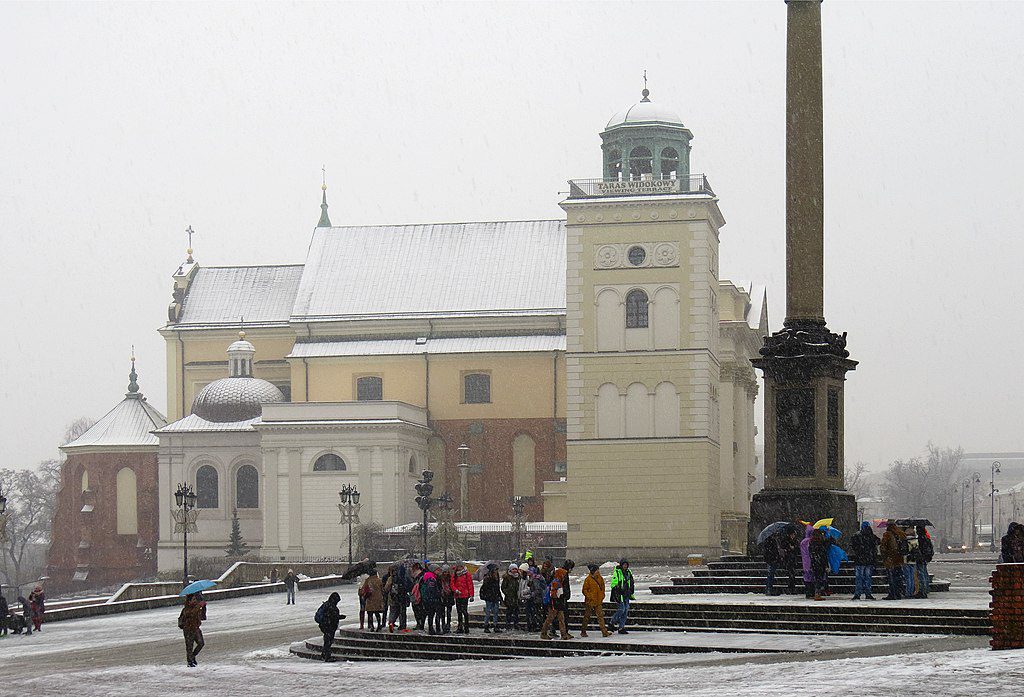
1007 606
490 457
111 558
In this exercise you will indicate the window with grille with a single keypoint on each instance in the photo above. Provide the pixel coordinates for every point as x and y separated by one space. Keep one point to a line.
247 487
636 309
329 462
370 389
477 387
206 487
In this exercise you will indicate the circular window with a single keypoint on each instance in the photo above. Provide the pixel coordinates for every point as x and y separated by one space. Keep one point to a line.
636 255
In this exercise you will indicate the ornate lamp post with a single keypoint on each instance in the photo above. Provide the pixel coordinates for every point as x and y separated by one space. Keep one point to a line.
444 505
992 493
349 508
974 481
185 522
463 481
518 508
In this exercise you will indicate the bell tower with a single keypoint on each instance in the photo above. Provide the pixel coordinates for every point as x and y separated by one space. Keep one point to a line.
642 372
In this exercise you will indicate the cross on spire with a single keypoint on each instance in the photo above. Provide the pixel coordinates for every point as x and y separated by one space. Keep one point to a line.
646 92
133 378
325 220
189 231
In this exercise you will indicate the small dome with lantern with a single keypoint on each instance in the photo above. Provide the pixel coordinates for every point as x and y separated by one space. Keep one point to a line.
646 141
240 396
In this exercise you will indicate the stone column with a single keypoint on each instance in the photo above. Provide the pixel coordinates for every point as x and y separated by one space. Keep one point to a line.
805 179
804 363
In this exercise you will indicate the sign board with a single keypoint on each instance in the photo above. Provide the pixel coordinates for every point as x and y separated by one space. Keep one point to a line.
633 187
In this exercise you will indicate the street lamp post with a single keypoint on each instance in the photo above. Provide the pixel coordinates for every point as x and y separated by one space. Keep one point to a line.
349 508
463 481
963 499
185 522
975 481
444 505
992 493
518 507
425 501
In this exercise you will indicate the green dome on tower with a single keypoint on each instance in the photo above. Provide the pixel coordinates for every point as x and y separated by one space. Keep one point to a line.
646 141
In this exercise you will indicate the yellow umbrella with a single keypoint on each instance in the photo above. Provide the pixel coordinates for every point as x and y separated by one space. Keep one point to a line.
823 523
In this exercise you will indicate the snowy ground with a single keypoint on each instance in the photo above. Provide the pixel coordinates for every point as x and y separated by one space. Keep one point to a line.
141 654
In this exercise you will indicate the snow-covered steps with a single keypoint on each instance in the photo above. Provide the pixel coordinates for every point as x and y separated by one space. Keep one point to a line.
754 583
359 645
870 618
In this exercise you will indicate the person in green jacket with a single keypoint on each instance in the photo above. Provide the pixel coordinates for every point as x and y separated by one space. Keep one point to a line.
622 593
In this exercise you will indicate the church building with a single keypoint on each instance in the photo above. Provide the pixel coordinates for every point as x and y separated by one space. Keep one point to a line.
603 376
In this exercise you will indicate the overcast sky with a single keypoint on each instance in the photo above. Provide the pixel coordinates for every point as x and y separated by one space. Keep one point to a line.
120 125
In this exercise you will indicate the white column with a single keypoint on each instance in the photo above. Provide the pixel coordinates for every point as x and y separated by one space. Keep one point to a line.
271 525
294 501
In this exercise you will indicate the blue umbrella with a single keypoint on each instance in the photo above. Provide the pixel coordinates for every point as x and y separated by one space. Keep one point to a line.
831 531
197 586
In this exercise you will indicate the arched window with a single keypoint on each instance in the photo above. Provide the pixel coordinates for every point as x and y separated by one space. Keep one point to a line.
614 172
329 462
207 483
669 163
85 479
127 504
370 389
524 466
609 411
412 465
636 309
640 162
247 487
477 388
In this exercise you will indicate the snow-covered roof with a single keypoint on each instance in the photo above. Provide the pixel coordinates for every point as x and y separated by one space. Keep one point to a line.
127 425
471 527
193 424
399 347
221 295
435 270
644 112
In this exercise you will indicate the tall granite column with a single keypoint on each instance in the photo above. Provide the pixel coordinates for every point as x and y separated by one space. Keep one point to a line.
804 363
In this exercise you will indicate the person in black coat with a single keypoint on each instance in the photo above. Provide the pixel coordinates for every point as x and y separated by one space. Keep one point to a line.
328 617
789 550
1012 545
921 556
4 611
864 555
819 562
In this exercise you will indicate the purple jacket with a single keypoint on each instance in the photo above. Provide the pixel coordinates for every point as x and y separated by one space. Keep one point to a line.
805 554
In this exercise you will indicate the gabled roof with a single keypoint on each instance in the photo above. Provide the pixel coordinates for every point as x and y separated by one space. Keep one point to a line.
128 425
436 270
224 295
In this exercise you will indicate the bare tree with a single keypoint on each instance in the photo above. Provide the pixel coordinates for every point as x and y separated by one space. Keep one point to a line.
30 503
856 481
920 487
77 428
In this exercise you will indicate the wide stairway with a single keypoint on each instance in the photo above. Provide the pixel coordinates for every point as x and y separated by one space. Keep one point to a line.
740 574
359 645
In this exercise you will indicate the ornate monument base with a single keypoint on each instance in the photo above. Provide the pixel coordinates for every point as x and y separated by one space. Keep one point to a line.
769 506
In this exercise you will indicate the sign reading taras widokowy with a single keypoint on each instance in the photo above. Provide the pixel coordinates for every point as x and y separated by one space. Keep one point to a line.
637 186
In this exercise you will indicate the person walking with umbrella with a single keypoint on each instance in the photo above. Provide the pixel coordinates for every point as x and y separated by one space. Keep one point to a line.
189 622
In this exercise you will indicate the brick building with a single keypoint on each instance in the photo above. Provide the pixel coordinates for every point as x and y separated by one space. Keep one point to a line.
105 521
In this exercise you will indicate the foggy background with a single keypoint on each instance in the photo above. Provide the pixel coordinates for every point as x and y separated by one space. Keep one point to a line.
121 125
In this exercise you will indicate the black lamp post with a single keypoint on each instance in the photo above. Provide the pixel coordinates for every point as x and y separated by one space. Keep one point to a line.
992 493
425 501
518 508
349 508
444 504
975 480
185 500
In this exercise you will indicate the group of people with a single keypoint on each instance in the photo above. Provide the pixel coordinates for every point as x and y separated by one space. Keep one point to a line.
905 560
31 616
535 599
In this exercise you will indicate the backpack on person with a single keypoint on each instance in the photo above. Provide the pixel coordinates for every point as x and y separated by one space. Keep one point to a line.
903 545
417 598
321 614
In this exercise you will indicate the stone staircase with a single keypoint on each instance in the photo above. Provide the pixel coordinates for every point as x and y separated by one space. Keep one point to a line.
869 618
740 574
359 645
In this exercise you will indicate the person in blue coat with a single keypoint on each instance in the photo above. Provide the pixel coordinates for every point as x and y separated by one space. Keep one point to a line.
864 550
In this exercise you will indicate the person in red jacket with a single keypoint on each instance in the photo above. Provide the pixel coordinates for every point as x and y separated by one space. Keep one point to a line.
462 586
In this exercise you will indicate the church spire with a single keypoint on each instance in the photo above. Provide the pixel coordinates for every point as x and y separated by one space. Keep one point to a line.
325 220
133 380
